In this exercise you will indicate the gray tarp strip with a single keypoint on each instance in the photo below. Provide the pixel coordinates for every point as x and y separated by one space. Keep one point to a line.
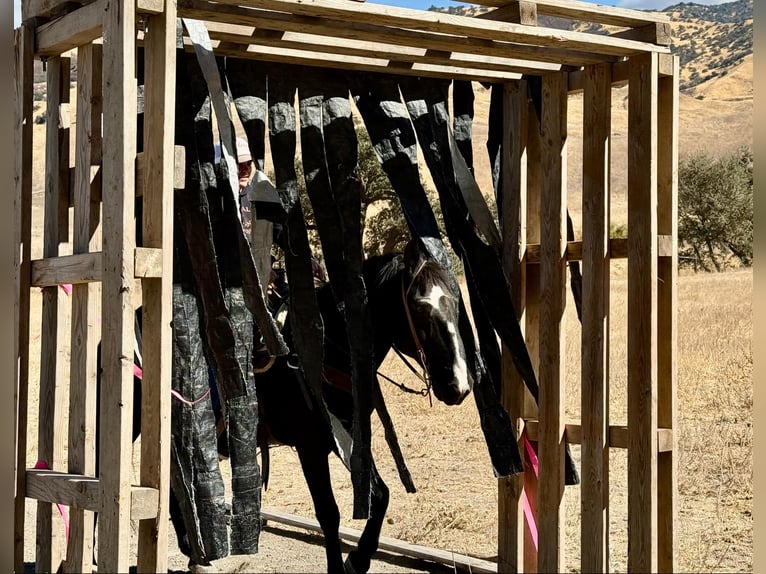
205 215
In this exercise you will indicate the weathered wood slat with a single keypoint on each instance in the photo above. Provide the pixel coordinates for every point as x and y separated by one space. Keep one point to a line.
74 269
387 544
576 10
158 183
54 329
75 29
520 12
83 367
667 320
510 510
642 314
550 520
595 320
82 492
23 122
356 63
618 249
617 435
118 170
54 8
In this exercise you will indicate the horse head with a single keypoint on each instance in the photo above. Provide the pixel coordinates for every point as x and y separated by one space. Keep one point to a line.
432 308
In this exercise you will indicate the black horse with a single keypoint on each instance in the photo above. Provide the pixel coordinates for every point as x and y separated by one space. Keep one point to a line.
414 310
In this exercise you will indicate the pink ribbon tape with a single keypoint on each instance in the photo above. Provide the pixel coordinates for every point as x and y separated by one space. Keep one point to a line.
41 464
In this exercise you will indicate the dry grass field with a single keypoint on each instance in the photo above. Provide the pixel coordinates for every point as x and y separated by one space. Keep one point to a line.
455 506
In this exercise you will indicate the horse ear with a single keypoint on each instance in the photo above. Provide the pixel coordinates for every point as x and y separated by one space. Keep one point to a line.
414 253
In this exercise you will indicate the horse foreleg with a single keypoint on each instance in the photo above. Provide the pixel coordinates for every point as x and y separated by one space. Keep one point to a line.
358 561
316 470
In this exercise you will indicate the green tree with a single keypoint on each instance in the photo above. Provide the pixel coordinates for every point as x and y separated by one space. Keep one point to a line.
715 210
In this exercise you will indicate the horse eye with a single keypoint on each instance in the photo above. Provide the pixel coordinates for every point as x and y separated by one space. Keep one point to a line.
421 308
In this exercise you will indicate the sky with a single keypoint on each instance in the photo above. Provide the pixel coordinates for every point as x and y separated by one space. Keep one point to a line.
425 4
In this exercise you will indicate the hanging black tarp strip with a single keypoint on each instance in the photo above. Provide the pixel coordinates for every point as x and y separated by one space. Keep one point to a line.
329 152
304 317
462 123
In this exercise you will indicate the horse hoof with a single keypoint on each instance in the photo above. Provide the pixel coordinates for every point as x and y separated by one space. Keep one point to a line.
202 569
348 566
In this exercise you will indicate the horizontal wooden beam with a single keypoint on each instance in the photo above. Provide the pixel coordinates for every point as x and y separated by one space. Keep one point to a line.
353 63
39 9
618 435
588 12
618 249
88 268
73 269
83 492
387 544
76 28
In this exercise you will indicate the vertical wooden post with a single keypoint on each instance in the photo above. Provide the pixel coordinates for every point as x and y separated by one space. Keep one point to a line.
159 113
82 397
53 373
552 306
667 324
642 313
595 320
23 178
532 311
118 168
510 489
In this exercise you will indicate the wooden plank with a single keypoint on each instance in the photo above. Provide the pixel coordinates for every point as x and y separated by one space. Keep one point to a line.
620 71
519 12
618 249
617 435
552 341
442 23
387 544
532 310
82 393
159 113
75 29
577 10
242 36
510 536
23 122
46 8
53 373
355 63
83 492
339 28
118 166
74 269
658 33
32 9
667 318
594 489
149 262
642 314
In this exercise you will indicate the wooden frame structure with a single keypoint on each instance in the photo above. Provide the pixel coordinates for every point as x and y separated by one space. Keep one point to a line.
502 45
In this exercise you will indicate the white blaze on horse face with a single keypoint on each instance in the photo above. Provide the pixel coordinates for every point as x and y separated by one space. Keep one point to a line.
460 369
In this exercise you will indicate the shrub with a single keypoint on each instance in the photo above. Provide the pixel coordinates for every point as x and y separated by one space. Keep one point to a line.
715 211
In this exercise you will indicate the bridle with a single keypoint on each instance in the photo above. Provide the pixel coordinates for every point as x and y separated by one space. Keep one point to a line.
425 377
